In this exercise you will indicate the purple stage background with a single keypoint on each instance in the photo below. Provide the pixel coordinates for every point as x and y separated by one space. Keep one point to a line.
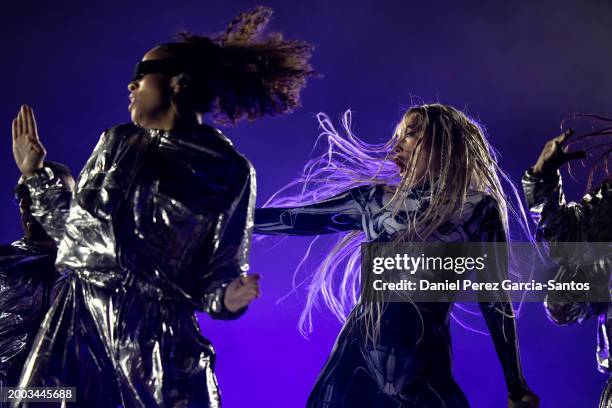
519 67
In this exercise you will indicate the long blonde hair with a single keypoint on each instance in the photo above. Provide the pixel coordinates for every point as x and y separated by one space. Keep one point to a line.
462 160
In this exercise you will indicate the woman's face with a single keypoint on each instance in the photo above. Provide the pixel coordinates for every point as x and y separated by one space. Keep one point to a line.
150 95
406 146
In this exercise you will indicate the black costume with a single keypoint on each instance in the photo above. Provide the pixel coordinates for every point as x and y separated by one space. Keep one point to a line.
590 220
27 273
158 224
410 366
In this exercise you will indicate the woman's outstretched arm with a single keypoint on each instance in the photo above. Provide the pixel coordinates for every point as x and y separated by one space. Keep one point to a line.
343 212
498 311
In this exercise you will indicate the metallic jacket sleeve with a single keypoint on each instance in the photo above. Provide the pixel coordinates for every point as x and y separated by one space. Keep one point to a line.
499 314
231 260
558 221
586 221
340 213
26 276
50 201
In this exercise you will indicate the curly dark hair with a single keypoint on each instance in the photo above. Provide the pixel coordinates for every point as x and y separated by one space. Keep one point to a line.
240 74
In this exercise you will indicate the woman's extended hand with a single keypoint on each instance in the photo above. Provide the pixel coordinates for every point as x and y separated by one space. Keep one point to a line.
529 400
29 153
555 154
241 292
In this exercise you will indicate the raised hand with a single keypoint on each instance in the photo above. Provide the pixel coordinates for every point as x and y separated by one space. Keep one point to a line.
29 153
555 154
241 292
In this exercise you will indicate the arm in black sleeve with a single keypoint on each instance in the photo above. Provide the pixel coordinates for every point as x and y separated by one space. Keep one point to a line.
498 312
342 212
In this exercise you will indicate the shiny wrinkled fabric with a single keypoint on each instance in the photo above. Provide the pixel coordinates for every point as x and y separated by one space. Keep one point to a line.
589 220
158 224
410 364
27 273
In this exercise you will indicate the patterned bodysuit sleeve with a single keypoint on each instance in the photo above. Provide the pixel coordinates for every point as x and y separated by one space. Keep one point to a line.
499 314
342 212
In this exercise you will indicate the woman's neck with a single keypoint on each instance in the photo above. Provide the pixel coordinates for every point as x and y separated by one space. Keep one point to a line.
178 121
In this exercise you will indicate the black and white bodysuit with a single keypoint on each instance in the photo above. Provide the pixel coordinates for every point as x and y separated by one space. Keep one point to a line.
410 364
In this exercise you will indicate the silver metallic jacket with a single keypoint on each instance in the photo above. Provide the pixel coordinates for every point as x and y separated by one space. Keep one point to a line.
27 274
159 223
589 220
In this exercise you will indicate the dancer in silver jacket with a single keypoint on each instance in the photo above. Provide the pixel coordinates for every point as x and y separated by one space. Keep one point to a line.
159 224
589 220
